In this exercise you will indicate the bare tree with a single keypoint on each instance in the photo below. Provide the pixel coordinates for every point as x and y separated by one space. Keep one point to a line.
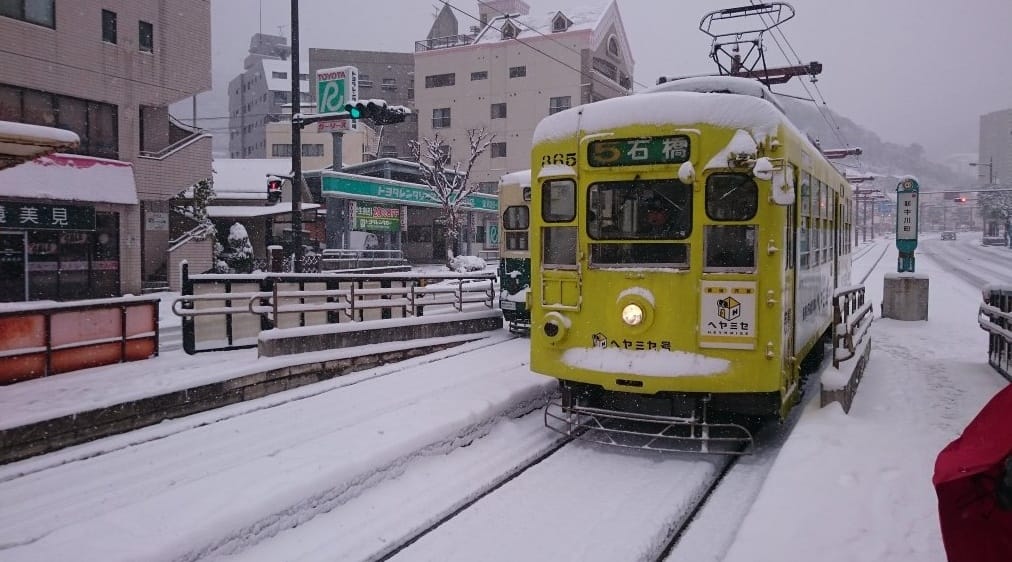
450 186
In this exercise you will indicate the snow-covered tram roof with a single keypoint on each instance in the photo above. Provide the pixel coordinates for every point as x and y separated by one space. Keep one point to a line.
755 114
521 177
719 85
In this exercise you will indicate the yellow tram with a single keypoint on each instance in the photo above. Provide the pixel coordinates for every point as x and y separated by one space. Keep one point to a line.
686 243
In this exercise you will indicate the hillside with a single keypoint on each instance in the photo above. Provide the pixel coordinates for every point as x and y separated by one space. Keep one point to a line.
880 157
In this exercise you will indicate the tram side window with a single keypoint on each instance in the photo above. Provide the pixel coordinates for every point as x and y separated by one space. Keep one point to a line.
558 246
731 197
516 241
806 194
558 200
803 243
729 248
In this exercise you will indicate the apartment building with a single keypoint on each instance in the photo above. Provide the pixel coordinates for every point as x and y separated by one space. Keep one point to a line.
995 159
510 70
258 95
107 71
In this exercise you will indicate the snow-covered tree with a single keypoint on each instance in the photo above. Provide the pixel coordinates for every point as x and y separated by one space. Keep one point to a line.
999 202
239 252
450 187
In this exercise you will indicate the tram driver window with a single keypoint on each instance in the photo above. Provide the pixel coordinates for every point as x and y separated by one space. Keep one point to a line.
729 248
731 197
558 200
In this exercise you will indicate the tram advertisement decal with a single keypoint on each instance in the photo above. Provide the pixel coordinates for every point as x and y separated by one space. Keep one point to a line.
728 314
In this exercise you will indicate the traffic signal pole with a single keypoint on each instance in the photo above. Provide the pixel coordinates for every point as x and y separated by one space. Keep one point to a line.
296 144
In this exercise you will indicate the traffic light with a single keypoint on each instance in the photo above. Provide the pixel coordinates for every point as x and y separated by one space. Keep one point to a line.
960 199
273 189
377 111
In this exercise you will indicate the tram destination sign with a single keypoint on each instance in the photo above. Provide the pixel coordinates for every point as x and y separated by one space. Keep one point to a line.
638 152
37 216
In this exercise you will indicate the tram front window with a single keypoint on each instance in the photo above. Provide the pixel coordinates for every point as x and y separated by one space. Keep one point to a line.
639 210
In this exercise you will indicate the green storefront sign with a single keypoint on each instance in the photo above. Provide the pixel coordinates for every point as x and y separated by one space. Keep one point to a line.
344 185
37 216
376 218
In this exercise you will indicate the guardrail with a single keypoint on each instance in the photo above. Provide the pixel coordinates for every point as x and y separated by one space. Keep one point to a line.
995 317
355 259
222 312
852 318
41 339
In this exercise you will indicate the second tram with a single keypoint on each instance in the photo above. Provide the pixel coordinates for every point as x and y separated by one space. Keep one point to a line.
514 250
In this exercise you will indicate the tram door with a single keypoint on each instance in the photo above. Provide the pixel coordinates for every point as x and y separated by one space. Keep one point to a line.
13 278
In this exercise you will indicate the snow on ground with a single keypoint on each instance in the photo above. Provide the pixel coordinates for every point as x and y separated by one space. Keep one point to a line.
371 456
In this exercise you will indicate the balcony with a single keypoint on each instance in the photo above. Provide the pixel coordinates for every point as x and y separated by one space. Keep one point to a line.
443 42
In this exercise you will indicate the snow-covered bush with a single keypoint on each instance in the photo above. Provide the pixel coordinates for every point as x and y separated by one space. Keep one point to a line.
238 254
462 264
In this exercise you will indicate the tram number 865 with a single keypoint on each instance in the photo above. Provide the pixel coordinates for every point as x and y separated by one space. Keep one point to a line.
567 159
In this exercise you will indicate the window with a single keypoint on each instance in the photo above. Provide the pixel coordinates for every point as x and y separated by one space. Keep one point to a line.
731 197
32 11
490 187
95 123
518 71
388 151
729 248
560 103
440 117
613 46
498 111
312 150
108 26
389 84
559 246
516 217
558 203
480 75
145 37
439 80
276 74
303 77
281 150
516 241
364 81
498 149
560 23
509 30
639 210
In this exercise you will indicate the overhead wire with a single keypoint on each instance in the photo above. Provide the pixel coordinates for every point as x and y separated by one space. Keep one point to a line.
831 119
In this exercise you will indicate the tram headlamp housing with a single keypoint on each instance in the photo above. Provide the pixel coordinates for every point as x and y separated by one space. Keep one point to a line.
632 314
555 327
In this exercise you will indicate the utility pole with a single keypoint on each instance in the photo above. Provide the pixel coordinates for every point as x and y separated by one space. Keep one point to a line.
296 144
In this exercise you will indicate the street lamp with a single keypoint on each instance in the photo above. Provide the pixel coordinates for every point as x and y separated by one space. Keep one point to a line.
990 168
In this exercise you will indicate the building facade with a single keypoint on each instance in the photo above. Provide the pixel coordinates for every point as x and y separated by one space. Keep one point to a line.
108 71
995 160
257 96
512 72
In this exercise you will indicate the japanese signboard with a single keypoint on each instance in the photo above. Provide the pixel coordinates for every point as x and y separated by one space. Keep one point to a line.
906 215
638 152
376 218
37 216
727 315
336 87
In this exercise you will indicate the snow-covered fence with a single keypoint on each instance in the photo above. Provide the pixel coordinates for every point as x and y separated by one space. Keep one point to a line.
995 317
228 311
852 318
353 259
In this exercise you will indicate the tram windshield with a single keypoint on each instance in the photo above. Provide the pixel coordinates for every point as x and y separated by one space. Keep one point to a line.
639 210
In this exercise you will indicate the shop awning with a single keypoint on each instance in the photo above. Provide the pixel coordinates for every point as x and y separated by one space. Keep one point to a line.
21 142
71 177
250 211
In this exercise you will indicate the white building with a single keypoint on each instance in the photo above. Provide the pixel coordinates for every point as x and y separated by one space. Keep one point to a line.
995 160
511 72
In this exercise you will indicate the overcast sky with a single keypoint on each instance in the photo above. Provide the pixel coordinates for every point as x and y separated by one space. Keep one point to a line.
910 70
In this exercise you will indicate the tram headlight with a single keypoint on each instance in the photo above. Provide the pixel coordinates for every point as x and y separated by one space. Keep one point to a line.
632 314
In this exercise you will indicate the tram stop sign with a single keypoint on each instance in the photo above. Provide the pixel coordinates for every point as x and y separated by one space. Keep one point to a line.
906 222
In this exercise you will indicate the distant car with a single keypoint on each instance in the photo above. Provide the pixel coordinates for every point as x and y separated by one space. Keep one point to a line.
949 235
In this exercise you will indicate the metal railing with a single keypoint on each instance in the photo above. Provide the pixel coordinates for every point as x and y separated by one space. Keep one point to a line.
995 317
852 317
443 42
221 312
354 259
